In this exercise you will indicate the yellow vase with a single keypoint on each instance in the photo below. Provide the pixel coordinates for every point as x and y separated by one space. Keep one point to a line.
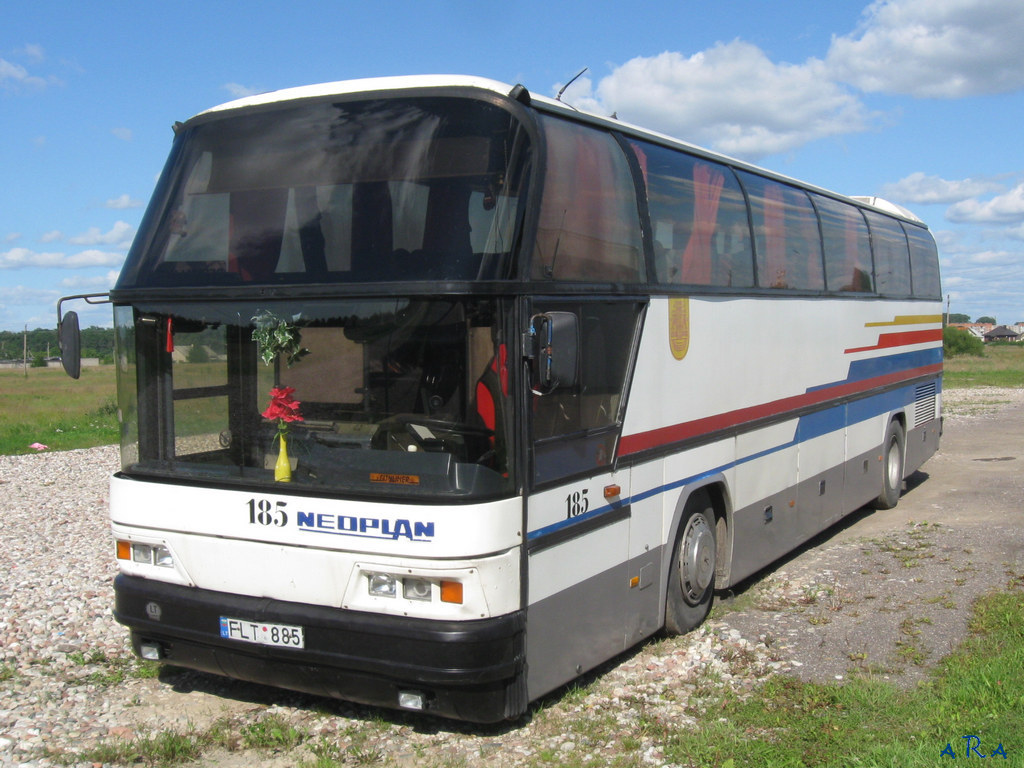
283 467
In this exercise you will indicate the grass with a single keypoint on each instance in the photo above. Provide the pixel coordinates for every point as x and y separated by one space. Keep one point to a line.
975 691
48 407
161 749
1001 365
103 670
271 732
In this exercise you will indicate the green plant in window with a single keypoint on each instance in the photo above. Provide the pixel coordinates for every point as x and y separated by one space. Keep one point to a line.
276 336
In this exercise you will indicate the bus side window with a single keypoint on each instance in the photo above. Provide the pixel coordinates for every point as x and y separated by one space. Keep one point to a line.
892 255
847 246
589 226
574 429
699 218
924 263
787 243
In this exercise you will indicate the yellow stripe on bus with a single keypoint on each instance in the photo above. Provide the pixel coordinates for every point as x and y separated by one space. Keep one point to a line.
907 320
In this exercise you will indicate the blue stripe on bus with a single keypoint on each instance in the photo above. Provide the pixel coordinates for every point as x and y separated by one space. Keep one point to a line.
808 427
861 370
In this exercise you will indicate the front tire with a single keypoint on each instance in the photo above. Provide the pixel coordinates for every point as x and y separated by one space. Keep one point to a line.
691 583
892 467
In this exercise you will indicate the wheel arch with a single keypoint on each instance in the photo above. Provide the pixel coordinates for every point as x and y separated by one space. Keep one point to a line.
717 490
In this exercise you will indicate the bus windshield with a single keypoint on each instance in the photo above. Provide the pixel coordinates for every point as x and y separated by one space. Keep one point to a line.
323 192
404 397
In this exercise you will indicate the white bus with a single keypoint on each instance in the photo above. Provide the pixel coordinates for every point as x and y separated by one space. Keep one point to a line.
435 394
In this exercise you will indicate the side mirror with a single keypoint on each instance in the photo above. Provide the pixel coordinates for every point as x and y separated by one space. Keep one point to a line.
69 336
556 339
70 339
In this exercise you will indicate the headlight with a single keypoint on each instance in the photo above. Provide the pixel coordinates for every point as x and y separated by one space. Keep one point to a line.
147 554
416 589
162 557
413 587
380 584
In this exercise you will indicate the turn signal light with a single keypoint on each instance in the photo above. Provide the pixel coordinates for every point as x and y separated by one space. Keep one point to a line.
414 588
146 554
451 592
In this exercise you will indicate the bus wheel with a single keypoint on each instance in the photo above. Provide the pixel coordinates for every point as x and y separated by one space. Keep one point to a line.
892 467
692 576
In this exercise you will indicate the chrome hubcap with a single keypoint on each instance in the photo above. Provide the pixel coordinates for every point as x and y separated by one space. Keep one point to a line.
893 463
696 559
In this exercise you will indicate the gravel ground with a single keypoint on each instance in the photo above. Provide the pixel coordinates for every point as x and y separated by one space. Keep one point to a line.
69 682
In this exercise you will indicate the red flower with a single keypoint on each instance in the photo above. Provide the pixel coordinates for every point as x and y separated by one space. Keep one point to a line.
283 407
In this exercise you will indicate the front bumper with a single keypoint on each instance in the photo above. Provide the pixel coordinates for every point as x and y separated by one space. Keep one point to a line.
469 670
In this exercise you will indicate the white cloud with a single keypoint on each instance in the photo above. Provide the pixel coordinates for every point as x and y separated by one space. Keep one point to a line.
17 258
123 202
734 98
1007 208
731 97
97 282
24 258
93 258
15 74
12 237
924 189
995 258
119 235
1015 233
20 294
22 306
122 133
53 236
985 282
933 48
982 271
240 91
32 51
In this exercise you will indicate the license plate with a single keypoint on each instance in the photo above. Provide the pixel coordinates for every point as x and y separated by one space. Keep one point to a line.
282 635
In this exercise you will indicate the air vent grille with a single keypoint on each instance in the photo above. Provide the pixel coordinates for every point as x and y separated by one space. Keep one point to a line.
924 403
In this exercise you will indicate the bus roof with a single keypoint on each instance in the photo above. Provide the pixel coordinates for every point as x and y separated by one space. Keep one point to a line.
364 85
409 82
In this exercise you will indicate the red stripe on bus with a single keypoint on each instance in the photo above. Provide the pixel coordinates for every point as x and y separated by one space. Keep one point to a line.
656 438
890 340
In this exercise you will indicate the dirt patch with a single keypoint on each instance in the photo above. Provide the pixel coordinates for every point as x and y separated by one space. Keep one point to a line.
890 593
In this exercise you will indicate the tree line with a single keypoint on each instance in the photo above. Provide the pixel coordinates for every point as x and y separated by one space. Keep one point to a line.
957 317
42 343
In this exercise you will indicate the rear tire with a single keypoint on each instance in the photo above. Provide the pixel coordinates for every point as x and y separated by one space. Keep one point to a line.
892 467
691 581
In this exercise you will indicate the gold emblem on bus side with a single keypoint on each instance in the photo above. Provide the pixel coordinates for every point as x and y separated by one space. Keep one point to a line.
679 327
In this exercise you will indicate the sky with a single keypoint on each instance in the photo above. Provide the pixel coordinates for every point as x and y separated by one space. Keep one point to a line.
917 101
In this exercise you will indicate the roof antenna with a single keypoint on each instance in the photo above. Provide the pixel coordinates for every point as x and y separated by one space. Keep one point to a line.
574 79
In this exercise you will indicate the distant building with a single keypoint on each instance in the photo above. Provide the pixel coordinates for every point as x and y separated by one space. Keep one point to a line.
976 329
1002 333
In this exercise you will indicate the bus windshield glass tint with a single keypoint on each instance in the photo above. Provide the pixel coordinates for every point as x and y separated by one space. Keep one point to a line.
391 190
403 396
